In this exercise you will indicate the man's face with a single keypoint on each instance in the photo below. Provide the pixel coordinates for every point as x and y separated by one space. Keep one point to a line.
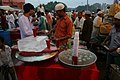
40 5
80 15
59 13
32 12
101 15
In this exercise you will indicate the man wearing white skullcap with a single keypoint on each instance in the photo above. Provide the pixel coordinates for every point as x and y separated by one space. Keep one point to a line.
100 12
114 37
97 22
59 6
87 12
64 26
87 28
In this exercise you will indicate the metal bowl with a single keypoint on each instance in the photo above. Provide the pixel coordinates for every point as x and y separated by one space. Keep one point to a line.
85 58
42 57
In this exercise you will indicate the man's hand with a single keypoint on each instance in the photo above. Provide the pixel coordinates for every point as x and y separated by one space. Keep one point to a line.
118 50
48 33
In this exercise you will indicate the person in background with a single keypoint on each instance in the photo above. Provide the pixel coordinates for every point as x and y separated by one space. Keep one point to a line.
113 43
97 22
74 15
79 21
87 28
54 19
20 13
25 20
64 26
41 8
38 14
69 13
114 39
42 22
98 10
11 20
6 63
107 10
3 20
93 15
16 18
49 19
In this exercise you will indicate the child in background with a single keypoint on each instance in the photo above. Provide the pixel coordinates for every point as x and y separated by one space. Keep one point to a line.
6 64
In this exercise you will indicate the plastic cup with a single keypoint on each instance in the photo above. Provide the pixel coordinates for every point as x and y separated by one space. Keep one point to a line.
58 43
74 60
48 43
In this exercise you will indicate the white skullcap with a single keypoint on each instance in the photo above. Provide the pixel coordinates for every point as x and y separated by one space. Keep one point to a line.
6 11
59 6
87 12
117 15
93 12
100 12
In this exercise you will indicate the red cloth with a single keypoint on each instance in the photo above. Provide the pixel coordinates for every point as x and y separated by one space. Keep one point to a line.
46 50
49 70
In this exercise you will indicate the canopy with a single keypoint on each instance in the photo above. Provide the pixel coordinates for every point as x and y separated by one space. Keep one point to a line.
8 8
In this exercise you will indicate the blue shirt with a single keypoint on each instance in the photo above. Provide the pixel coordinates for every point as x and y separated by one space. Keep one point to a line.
115 38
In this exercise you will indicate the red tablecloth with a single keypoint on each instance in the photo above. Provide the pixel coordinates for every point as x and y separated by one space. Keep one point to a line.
50 70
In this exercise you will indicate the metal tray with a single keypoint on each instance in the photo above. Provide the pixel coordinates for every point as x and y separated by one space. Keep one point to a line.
85 58
35 58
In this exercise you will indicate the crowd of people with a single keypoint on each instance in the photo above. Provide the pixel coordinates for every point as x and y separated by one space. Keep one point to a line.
61 25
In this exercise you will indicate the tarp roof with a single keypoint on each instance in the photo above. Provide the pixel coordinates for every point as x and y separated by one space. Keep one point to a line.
8 8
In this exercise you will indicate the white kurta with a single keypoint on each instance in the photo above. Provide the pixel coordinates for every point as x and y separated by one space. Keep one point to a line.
97 21
41 9
25 26
96 26
79 23
11 20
